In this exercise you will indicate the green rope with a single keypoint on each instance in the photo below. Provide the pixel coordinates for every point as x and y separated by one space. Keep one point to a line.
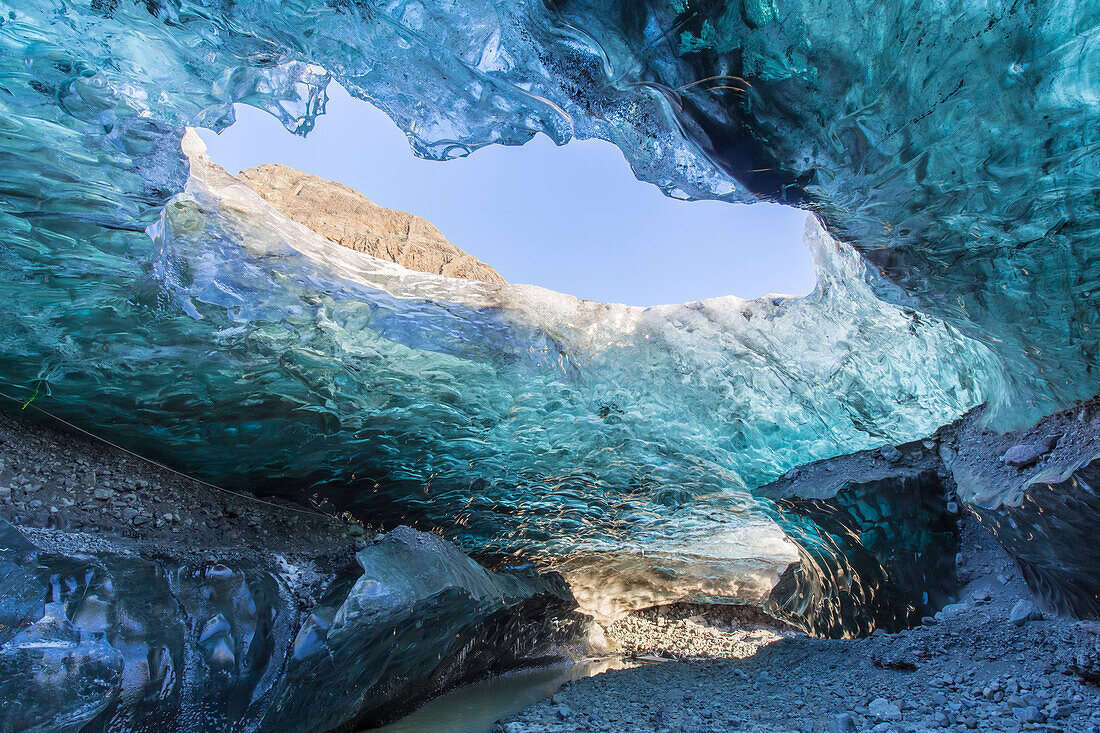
36 388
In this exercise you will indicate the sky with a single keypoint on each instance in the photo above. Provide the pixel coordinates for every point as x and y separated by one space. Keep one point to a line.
572 218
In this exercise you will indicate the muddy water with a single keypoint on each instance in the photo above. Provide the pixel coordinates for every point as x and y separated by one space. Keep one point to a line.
474 708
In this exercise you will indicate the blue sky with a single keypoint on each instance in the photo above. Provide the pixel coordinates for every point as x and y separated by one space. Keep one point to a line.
573 219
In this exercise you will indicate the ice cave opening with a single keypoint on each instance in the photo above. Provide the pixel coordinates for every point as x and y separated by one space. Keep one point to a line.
253 479
570 218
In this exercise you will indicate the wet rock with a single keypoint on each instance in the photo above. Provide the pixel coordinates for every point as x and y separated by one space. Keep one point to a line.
890 453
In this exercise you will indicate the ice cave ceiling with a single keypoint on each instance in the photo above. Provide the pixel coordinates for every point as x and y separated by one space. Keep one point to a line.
951 146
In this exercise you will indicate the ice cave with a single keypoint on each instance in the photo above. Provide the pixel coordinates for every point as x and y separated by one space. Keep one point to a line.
256 479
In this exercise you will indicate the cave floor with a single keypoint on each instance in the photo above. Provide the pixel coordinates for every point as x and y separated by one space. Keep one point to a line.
701 669
970 670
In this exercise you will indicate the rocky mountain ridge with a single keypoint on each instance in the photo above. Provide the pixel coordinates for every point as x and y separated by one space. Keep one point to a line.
348 218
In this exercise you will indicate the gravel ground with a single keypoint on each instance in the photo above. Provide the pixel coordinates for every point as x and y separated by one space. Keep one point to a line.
70 492
695 631
970 669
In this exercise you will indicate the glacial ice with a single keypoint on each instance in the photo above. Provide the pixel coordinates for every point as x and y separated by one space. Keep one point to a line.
127 642
957 189
517 418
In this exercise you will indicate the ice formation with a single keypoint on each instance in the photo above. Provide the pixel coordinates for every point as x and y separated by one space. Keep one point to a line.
517 418
127 642
948 150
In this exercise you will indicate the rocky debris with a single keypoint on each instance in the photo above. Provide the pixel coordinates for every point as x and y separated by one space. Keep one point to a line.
1086 664
971 671
695 631
54 479
348 218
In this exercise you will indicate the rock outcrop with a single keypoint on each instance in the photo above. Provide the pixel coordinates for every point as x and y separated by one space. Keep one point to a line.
347 217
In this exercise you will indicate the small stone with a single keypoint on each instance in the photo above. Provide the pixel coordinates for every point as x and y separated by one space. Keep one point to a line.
1050 442
5 492
1030 714
792 474
1024 455
952 507
1024 611
843 723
